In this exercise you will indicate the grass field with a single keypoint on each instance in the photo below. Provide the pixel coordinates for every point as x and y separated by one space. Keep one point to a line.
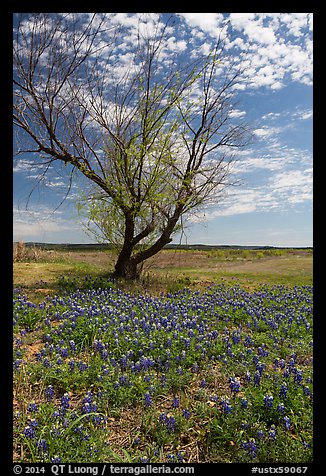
208 358
172 270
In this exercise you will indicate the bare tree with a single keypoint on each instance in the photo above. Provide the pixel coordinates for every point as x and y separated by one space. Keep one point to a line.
154 138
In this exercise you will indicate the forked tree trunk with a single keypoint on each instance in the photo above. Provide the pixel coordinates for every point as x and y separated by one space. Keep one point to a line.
129 265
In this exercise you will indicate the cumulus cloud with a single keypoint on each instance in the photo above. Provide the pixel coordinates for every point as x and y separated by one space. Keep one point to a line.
208 22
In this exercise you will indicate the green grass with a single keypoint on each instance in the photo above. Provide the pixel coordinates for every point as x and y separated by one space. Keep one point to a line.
172 270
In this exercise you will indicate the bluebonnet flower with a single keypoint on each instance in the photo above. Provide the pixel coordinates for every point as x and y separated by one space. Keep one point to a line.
283 390
73 346
82 366
260 434
280 408
147 400
287 422
65 402
29 432
33 423
123 362
123 380
56 459
248 341
89 405
186 413
176 402
268 401
297 376
250 447
49 393
272 433
257 377
162 418
203 383
226 407
42 445
260 367
236 336
64 352
234 384
32 407
248 377
286 373
170 423
244 403
71 364
17 364
46 363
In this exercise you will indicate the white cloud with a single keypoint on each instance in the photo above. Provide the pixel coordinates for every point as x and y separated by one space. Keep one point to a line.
237 113
251 26
208 22
294 179
263 132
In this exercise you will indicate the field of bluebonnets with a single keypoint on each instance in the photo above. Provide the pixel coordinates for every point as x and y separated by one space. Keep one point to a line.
222 374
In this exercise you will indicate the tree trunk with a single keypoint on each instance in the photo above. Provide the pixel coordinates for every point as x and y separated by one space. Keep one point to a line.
126 267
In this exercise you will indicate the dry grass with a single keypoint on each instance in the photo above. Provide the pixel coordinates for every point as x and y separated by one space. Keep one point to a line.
23 253
38 271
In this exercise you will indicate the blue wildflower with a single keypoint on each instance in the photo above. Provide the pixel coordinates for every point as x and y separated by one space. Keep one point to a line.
42 445
283 390
287 422
32 407
147 400
272 432
176 402
244 403
65 401
257 377
226 407
186 413
29 432
250 447
234 384
170 423
268 401
281 408
49 393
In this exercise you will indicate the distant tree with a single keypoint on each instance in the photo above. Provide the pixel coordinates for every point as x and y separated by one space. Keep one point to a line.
152 134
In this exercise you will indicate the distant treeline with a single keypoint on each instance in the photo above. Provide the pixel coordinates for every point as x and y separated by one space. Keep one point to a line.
196 247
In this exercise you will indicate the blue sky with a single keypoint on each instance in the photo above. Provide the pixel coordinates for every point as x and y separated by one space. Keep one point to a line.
272 203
